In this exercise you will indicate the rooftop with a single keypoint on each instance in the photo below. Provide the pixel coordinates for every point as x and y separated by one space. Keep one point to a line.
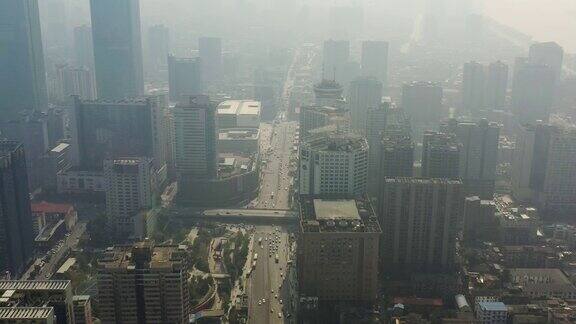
336 141
541 280
238 133
34 284
337 214
60 147
51 208
240 107
493 306
26 313
159 257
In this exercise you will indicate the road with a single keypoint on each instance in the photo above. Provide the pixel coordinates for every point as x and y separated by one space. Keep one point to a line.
268 290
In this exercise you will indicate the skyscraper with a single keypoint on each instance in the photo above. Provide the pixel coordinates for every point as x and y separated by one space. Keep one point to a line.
333 163
478 156
533 93
74 82
440 155
150 286
336 55
419 220
210 51
117 48
16 238
374 60
496 85
364 93
547 53
158 48
316 117
129 191
375 125
195 135
473 86
84 47
184 77
328 93
22 74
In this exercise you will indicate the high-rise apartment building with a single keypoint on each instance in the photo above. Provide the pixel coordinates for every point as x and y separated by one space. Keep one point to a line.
419 220
130 187
317 117
103 129
478 155
117 48
184 77
422 102
440 155
16 238
374 126
338 249
496 85
143 283
333 163
533 93
22 74
374 60
84 47
195 136
364 93
210 51
335 55
547 53
473 86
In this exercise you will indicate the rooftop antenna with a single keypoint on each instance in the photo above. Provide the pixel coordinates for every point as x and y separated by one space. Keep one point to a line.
323 74
334 75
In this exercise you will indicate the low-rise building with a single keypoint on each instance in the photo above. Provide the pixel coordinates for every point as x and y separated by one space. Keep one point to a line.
543 282
238 140
44 213
492 312
239 114
76 181
529 256
518 225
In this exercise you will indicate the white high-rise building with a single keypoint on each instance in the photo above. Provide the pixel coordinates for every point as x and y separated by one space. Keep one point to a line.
130 186
334 163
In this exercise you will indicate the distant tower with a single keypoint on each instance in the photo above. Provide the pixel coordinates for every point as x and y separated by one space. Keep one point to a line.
533 93
548 53
422 102
210 50
440 155
375 60
22 74
473 86
496 85
365 93
117 48
336 55
184 77
328 93
158 48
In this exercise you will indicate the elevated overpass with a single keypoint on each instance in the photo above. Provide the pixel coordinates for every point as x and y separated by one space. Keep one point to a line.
239 215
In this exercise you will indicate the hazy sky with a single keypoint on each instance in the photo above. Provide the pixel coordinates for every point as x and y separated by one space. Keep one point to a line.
543 19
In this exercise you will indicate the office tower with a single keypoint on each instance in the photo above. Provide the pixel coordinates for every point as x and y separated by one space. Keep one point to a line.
533 93
396 147
333 163
473 86
317 117
374 127
22 75
419 220
84 47
338 249
30 129
496 85
559 186
547 53
184 77
15 216
82 309
422 102
129 191
328 93
150 286
53 162
374 60
117 48
210 51
440 155
22 297
104 129
72 81
478 155
364 93
158 47
239 114
194 135
335 55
